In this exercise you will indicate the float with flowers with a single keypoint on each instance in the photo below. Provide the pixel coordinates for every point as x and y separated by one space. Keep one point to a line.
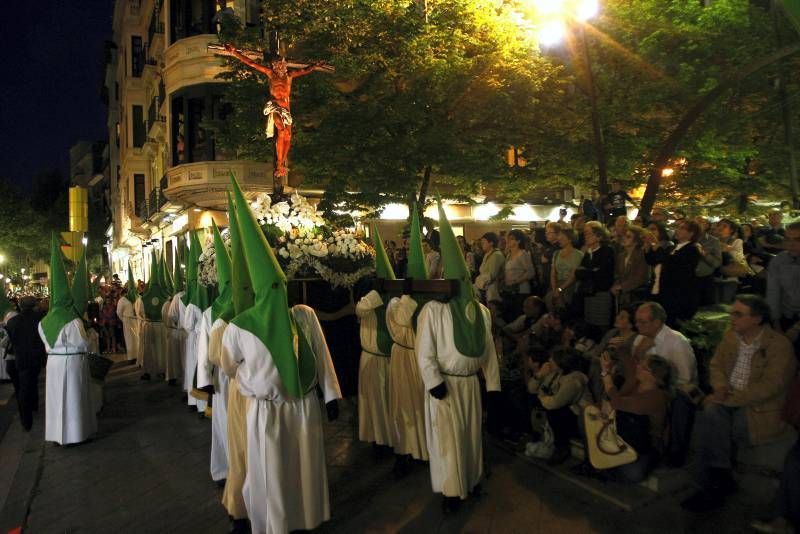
305 243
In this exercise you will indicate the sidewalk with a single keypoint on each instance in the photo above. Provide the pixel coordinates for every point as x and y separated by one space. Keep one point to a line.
147 470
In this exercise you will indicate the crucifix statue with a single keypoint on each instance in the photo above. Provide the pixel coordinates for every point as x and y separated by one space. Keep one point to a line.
279 73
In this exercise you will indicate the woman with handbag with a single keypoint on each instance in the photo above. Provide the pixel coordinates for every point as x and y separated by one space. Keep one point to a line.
641 416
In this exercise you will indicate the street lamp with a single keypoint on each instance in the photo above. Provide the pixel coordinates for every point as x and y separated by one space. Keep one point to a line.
555 16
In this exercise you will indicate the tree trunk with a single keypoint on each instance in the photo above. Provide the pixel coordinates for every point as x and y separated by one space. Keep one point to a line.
671 143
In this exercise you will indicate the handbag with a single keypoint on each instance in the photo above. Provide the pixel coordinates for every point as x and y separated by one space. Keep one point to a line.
605 447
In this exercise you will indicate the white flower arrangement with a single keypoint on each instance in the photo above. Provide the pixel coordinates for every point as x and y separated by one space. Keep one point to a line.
305 244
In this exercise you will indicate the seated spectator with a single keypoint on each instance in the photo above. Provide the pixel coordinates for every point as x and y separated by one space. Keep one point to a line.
641 414
751 372
618 341
532 310
631 272
560 387
655 337
576 335
549 329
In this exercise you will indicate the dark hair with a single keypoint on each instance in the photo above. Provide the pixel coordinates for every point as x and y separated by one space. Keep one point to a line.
520 236
567 358
492 238
661 230
657 311
660 368
694 228
730 224
26 303
758 306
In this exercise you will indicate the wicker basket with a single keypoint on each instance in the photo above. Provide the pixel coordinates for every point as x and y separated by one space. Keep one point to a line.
99 366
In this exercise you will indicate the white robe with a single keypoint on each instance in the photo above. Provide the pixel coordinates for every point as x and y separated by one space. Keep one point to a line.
219 403
287 484
453 424
176 337
69 408
191 323
406 390
374 418
127 315
138 308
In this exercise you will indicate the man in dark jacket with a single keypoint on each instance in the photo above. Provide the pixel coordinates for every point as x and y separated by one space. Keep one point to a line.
29 355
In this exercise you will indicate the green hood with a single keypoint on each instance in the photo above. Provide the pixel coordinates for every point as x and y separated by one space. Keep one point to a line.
222 308
62 309
191 271
383 270
154 296
132 293
80 286
416 268
469 332
269 319
166 277
241 286
178 283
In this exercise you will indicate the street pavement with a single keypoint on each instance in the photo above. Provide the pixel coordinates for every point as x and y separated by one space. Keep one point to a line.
147 470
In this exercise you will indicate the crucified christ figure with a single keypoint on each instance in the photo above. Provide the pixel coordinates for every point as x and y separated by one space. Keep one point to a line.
277 108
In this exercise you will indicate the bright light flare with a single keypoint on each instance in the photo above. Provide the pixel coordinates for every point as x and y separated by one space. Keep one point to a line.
586 9
552 33
667 172
550 7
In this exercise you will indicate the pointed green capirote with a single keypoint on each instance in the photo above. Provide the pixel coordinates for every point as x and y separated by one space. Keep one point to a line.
200 295
269 319
154 296
166 283
178 282
133 292
222 307
80 286
383 269
241 286
416 268
469 331
191 272
61 310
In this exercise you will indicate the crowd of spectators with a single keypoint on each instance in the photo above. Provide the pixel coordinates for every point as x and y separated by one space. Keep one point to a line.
590 312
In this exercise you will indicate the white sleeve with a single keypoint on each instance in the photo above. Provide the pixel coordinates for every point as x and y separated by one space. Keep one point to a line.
368 302
403 312
204 368
425 347
686 363
231 355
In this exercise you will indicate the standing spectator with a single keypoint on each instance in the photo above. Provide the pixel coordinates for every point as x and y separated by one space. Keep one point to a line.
518 274
677 284
616 200
783 281
710 260
620 228
771 237
734 263
562 276
490 275
433 260
469 257
595 275
29 355
108 320
578 225
751 372
589 208
631 272
549 247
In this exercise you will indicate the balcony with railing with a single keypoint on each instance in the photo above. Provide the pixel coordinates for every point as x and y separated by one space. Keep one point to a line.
156 27
156 123
204 183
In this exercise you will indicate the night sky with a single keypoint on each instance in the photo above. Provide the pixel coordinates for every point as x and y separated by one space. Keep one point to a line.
52 72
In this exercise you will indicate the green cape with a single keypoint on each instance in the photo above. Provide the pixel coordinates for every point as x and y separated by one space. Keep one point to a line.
383 269
191 271
178 283
222 307
469 335
269 319
154 296
133 292
241 286
416 268
62 309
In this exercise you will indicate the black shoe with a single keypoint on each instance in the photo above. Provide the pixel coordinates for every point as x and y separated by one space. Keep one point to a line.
220 483
450 504
240 526
475 492
559 456
145 376
703 501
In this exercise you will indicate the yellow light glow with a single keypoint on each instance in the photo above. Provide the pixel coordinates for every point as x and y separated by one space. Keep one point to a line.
550 7
484 211
523 213
552 32
586 9
667 172
394 212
